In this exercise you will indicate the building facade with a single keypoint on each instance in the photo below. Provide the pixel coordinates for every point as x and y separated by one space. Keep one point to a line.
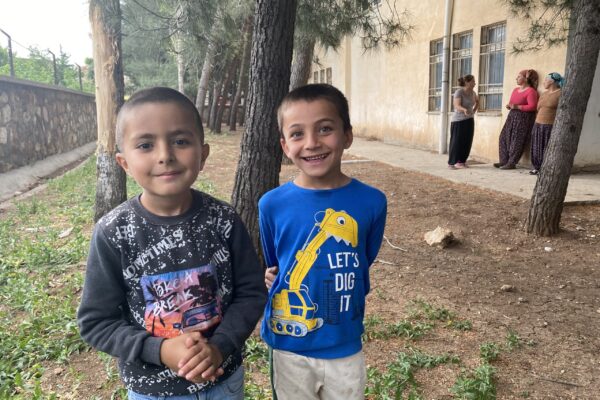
396 95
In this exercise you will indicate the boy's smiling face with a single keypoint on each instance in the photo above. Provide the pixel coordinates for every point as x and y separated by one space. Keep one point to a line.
314 139
162 149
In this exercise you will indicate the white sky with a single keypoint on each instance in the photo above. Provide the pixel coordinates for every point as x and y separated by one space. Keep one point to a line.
47 24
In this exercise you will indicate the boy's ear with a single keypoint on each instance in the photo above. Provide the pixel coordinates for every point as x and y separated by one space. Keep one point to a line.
122 162
284 146
204 155
349 138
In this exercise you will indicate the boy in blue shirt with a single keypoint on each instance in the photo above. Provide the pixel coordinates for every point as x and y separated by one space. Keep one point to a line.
173 285
320 234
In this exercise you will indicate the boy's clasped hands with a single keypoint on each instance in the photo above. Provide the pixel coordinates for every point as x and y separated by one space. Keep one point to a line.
192 357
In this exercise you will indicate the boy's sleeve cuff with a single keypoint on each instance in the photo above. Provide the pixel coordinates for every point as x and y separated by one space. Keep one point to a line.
224 344
151 350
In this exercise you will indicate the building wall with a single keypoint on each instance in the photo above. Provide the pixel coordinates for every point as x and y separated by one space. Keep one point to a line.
388 89
37 121
588 151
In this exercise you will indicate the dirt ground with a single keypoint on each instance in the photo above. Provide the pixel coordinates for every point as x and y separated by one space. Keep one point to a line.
554 306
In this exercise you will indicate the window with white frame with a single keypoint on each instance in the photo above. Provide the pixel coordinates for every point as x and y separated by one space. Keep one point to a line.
329 76
436 50
491 66
316 77
462 55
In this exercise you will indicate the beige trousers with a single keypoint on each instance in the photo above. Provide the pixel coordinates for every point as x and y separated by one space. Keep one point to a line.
296 377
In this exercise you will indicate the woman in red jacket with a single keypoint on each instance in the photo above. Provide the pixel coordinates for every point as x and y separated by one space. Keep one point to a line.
517 128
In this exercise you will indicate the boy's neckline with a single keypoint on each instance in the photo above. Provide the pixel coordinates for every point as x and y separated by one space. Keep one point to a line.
167 219
347 183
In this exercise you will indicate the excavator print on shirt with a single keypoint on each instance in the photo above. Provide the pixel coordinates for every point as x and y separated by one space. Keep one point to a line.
294 313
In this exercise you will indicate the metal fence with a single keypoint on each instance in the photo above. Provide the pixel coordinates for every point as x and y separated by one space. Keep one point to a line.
43 66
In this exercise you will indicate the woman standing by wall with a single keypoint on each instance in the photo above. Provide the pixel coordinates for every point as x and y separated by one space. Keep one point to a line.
517 128
462 126
547 105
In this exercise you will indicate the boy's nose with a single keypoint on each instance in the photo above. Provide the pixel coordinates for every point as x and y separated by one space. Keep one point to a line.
312 140
165 154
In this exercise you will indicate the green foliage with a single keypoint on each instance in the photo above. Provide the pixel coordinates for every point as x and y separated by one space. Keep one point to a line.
399 375
40 276
330 22
513 341
376 328
421 309
548 23
256 358
477 384
489 351
38 67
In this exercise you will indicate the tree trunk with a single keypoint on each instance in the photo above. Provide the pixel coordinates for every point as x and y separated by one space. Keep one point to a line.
551 187
242 81
303 54
227 84
177 36
260 157
212 116
207 68
105 20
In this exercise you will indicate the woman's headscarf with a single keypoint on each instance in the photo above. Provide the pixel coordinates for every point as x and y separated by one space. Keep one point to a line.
557 78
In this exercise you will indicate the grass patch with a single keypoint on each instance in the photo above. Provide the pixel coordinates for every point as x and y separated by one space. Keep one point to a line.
398 377
477 384
420 309
376 328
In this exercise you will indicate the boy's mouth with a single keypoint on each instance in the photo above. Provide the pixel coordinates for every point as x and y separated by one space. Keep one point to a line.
169 173
315 158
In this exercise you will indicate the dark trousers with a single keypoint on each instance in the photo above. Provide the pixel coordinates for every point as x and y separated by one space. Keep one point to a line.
515 135
540 136
461 139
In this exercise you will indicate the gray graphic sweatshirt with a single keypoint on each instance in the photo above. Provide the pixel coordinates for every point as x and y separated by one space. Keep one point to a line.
150 278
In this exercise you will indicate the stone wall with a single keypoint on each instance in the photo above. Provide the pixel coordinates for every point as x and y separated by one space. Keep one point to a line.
38 120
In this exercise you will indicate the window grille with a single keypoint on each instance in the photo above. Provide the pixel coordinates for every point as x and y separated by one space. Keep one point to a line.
316 77
491 66
329 76
462 55
322 76
436 49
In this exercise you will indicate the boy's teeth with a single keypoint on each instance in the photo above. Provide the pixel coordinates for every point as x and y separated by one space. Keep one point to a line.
315 157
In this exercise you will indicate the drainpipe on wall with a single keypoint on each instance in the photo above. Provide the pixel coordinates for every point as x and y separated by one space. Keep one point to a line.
443 147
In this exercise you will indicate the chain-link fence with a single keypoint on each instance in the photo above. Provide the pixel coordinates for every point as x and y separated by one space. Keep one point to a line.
45 66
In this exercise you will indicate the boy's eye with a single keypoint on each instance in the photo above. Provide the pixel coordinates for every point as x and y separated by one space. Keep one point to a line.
325 129
296 135
181 142
144 146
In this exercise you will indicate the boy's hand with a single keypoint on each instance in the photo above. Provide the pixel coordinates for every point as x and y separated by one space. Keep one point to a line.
202 362
270 274
174 349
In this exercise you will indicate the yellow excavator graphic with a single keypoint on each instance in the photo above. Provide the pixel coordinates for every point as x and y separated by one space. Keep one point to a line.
293 310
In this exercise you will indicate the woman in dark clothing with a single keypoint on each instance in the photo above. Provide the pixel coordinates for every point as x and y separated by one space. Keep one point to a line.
517 128
462 126
547 105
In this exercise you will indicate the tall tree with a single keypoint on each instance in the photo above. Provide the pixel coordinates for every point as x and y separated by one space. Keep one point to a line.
105 20
326 23
582 56
242 80
270 62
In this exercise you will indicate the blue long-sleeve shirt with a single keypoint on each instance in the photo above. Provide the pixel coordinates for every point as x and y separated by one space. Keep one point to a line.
333 236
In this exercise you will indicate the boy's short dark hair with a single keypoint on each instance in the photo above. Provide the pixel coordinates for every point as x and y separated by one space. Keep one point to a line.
316 91
156 95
